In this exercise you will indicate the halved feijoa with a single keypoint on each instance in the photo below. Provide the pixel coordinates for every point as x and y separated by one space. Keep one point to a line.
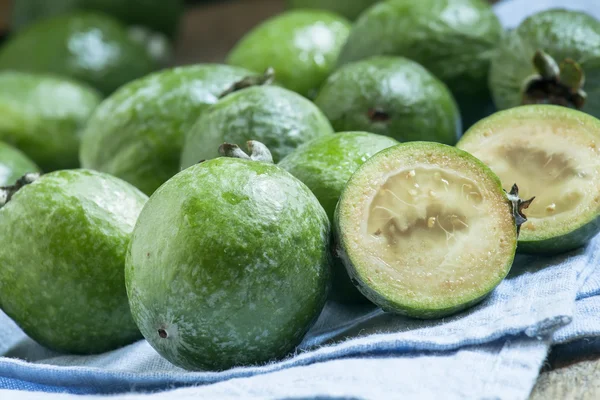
425 229
554 154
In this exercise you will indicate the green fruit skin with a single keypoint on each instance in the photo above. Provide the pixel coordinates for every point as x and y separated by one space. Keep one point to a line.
418 105
349 9
584 230
560 33
277 117
137 133
362 284
302 47
230 259
325 164
453 39
13 165
159 15
91 48
63 244
43 116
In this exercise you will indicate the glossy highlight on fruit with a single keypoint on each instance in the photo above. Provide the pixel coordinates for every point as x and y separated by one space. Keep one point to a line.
13 165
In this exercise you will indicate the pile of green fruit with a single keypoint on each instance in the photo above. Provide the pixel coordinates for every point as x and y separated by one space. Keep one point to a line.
213 209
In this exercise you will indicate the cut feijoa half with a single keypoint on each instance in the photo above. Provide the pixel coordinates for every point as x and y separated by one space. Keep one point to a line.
425 229
553 153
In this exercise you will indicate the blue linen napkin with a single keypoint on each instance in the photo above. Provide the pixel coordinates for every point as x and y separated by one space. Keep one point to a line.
494 350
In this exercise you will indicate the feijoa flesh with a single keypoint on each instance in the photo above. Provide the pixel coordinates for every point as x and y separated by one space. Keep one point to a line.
229 262
425 229
63 241
552 152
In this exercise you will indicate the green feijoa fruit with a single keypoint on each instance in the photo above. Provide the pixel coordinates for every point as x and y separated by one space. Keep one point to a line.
159 15
552 152
13 165
301 45
63 241
92 48
553 57
228 263
43 116
392 96
349 9
454 39
137 133
279 118
325 164
425 229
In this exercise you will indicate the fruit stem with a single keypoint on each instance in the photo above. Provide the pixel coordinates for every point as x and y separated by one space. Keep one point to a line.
266 78
518 205
258 151
7 192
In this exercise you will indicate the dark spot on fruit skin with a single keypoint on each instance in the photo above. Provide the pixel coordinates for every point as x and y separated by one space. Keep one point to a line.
148 255
378 115
163 333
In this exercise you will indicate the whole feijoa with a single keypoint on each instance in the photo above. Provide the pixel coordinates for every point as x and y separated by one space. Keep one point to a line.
44 116
453 39
13 165
301 45
137 133
553 57
349 9
391 96
552 152
92 48
63 241
228 263
277 117
325 164
426 230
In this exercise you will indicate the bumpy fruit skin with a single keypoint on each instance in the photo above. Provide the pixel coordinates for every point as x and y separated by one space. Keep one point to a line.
302 46
63 245
228 265
13 165
561 34
43 116
344 244
91 48
391 96
137 133
159 15
349 9
453 39
325 165
277 117
581 231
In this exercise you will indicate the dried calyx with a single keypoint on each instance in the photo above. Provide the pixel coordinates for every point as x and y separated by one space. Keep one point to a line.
555 84
266 78
518 205
7 192
258 151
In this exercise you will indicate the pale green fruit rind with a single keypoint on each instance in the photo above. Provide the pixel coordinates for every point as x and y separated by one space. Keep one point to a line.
349 9
453 39
419 107
63 245
92 48
43 116
277 117
561 34
13 165
137 133
159 15
325 164
302 46
563 237
360 183
230 259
